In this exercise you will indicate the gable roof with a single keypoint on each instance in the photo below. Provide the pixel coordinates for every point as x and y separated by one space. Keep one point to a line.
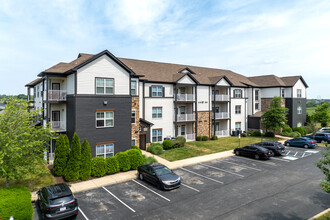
292 80
274 81
34 82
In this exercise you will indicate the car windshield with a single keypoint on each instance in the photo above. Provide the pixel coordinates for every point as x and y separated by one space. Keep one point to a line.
61 200
162 171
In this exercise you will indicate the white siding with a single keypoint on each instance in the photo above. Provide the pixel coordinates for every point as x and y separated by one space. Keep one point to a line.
243 91
270 92
238 117
299 85
186 80
287 92
249 103
141 99
223 82
168 89
102 67
38 100
203 98
70 84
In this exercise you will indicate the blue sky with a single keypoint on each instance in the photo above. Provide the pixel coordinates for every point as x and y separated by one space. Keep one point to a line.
250 37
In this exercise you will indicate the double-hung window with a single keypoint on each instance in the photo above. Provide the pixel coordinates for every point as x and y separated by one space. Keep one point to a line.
238 126
156 135
299 110
133 117
104 86
256 95
282 93
183 130
237 109
133 87
299 93
104 119
105 150
157 112
157 91
237 93
256 106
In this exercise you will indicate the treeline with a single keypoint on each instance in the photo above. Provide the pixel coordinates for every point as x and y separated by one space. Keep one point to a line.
5 98
316 102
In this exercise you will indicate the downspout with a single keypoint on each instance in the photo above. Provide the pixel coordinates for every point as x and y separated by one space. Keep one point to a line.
175 110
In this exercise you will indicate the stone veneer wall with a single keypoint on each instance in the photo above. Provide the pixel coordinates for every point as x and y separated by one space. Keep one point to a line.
203 119
136 127
265 103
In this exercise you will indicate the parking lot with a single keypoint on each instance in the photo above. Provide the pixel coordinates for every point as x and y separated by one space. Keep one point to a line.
229 188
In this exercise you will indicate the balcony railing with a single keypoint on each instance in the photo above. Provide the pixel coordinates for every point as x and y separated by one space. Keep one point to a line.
58 125
56 95
220 98
221 115
51 157
222 133
186 97
186 117
189 137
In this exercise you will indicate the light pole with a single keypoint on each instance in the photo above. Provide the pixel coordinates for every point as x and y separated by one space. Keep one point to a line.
239 139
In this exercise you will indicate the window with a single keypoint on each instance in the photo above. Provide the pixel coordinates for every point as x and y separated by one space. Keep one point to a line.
105 150
133 117
183 130
299 93
133 142
157 91
182 110
237 109
157 112
104 119
237 93
282 93
256 95
237 126
156 135
104 86
182 90
299 124
256 106
299 110
133 87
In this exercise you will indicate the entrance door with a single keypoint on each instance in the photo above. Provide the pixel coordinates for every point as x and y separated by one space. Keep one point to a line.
55 86
142 141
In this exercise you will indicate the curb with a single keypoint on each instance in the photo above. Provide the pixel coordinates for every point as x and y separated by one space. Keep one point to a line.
318 215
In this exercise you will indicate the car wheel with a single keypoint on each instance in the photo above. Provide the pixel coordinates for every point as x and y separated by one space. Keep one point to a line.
140 176
306 146
159 186
237 153
256 157
287 144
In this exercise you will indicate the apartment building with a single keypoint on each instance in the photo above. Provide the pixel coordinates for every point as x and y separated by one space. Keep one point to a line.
115 102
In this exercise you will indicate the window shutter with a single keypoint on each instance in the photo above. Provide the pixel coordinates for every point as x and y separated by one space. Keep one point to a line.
163 91
150 91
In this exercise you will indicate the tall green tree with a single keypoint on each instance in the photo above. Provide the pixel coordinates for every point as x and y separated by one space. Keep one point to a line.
86 156
322 114
324 165
61 156
72 169
275 117
22 145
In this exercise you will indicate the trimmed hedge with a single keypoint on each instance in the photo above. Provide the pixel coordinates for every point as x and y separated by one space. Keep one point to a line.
124 161
71 172
136 147
291 134
86 156
179 142
98 167
167 144
301 130
214 137
112 165
205 138
16 202
287 129
244 135
61 156
155 148
256 133
135 158
269 134
199 138
148 160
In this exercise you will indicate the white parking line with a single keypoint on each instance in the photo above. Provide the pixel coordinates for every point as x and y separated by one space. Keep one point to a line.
275 158
295 154
290 158
312 151
221 170
288 152
242 165
217 181
151 190
83 213
118 199
190 187
303 154
258 161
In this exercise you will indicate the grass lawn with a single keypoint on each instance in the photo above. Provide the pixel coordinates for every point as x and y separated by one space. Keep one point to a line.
199 148
326 216
310 110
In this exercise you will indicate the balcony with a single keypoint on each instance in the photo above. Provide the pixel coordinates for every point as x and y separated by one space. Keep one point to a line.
221 115
222 133
185 97
186 117
189 137
58 126
221 98
57 95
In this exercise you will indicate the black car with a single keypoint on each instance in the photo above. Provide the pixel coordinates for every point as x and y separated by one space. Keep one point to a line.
253 151
320 137
301 142
57 202
159 175
274 146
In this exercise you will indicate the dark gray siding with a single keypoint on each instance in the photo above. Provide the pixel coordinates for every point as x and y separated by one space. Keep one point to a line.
293 116
254 122
70 115
85 120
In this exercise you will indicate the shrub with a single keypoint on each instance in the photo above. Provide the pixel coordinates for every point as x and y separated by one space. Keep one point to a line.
199 138
308 129
179 142
244 134
181 139
256 133
301 130
148 160
205 138
137 148
98 167
291 134
214 137
287 129
135 158
167 144
124 161
112 165
71 172
155 148
269 134
16 202
61 156
86 156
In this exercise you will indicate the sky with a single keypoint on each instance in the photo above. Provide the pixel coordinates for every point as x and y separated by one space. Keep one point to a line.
250 37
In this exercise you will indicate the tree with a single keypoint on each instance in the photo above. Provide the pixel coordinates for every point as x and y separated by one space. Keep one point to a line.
322 114
275 117
324 165
61 156
71 172
85 169
22 144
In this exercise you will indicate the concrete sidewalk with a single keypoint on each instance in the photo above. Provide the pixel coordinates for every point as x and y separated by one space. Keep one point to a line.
132 174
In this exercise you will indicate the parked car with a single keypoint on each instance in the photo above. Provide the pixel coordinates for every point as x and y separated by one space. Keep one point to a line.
301 142
57 202
324 130
277 147
159 175
256 152
320 137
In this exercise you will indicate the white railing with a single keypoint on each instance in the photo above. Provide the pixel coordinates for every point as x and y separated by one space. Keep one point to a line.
222 133
186 117
190 137
185 97
220 98
221 115
56 95
58 125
